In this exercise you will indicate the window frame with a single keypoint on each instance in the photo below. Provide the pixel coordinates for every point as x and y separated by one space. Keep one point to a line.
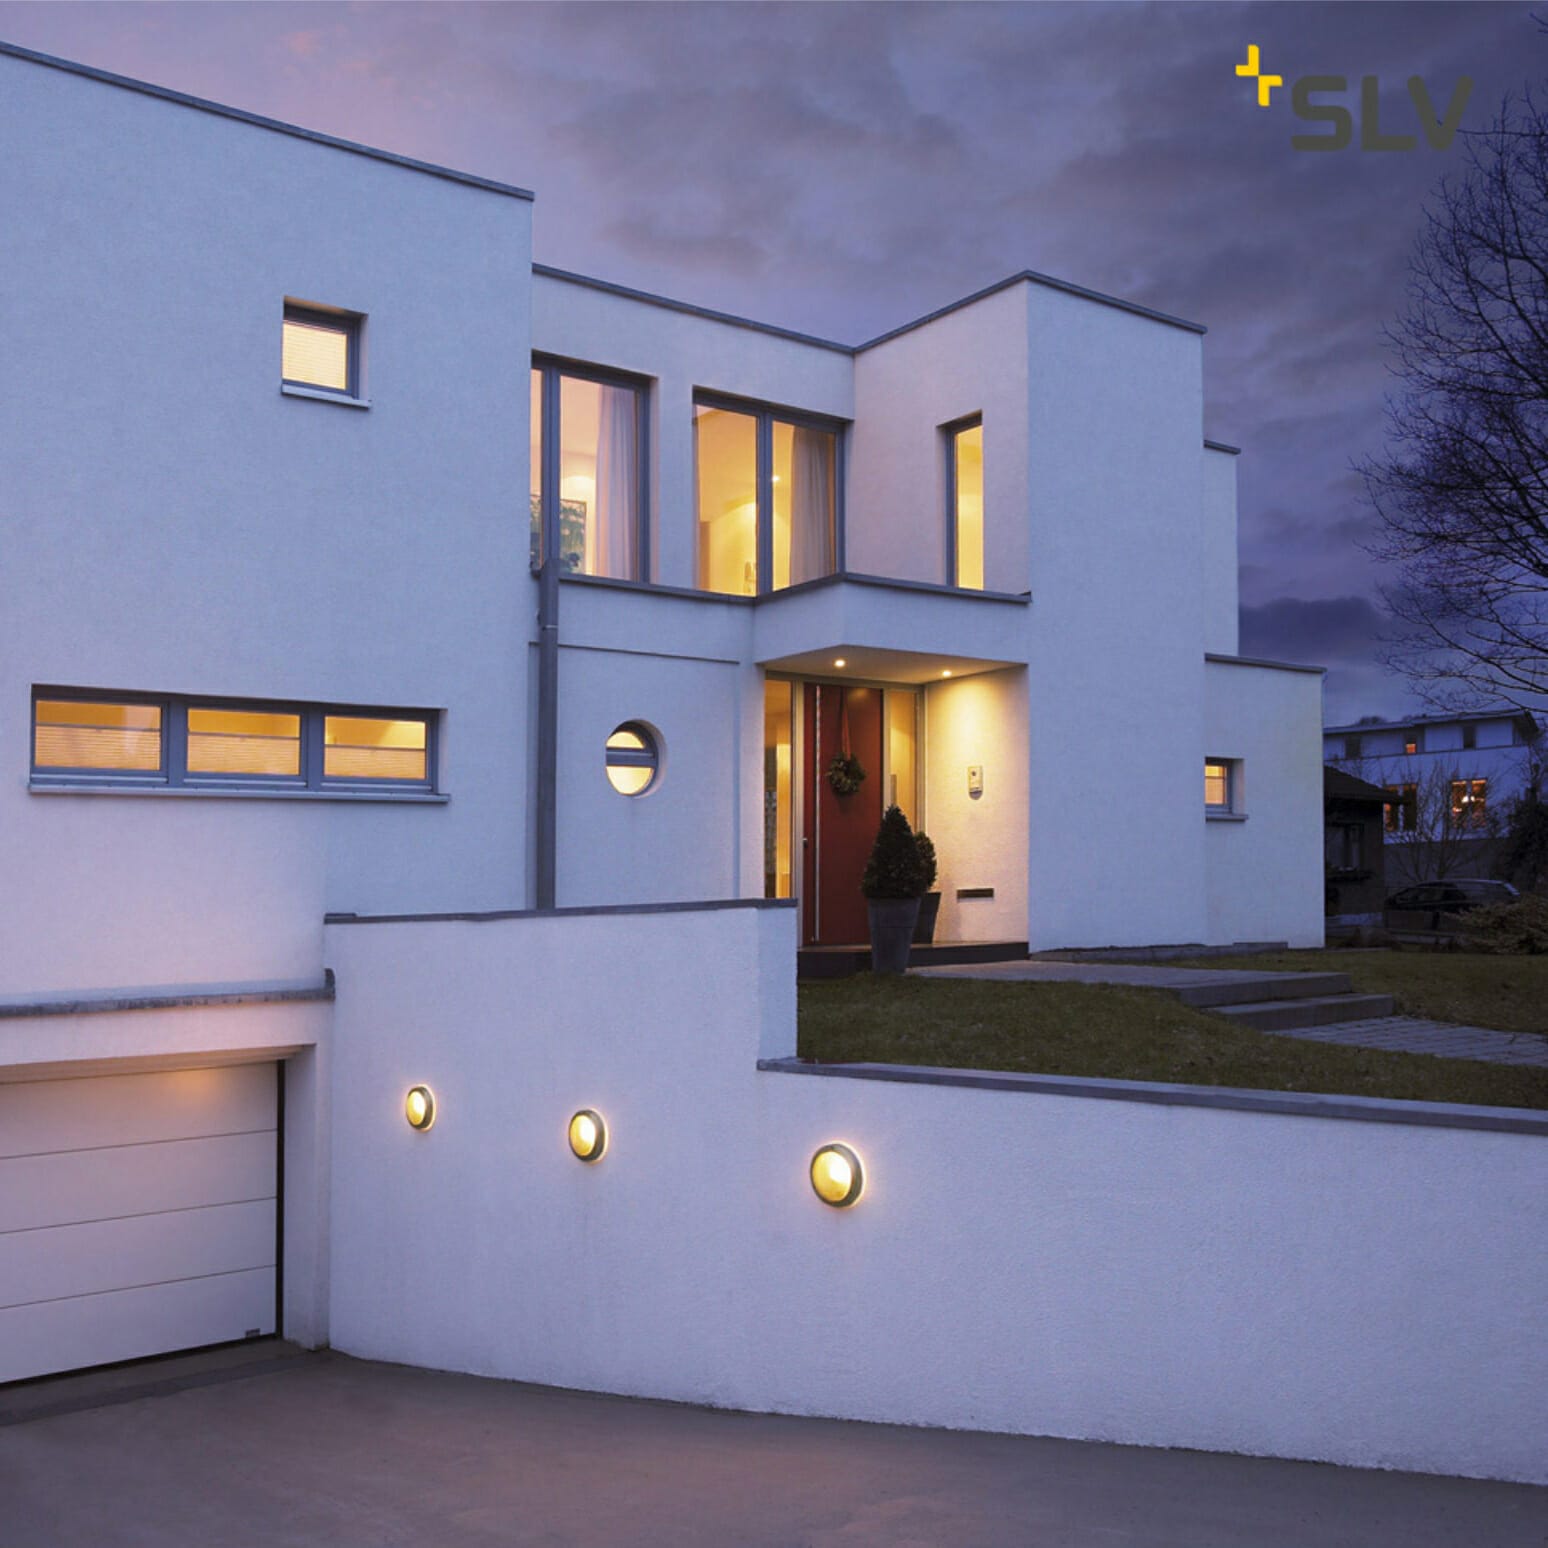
550 369
764 416
1233 786
339 320
648 756
174 775
951 430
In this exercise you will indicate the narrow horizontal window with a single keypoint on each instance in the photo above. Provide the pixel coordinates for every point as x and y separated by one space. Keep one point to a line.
355 748
93 740
321 350
240 742
96 735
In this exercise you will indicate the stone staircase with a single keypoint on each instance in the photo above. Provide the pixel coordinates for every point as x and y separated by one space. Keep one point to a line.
1278 1002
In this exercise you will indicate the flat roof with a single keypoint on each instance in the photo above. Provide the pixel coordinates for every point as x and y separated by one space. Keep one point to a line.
649 298
275 125
1495 712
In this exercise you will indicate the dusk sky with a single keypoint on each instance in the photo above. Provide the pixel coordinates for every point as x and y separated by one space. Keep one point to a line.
841 169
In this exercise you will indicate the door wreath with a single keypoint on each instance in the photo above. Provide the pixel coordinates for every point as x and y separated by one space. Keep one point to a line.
845 773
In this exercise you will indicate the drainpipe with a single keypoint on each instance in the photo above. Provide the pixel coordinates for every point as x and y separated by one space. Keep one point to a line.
546 810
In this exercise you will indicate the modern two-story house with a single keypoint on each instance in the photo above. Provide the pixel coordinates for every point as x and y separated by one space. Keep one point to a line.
357 564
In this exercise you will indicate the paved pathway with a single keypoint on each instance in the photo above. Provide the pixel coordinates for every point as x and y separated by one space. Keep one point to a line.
338 1453
1413 1034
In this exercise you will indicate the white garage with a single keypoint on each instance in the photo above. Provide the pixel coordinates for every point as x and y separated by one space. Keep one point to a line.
138 1215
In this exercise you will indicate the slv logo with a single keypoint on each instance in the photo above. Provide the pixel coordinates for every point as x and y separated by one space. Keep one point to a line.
1439 129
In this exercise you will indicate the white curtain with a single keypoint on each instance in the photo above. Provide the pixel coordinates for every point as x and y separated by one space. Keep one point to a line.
612 530
811 505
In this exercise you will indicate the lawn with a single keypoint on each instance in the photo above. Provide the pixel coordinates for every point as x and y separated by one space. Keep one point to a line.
1507 993
1124 1034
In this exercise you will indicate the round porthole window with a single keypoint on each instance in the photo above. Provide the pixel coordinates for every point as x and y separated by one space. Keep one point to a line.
633 758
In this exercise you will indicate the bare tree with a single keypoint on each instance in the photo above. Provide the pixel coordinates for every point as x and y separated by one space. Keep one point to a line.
1463 490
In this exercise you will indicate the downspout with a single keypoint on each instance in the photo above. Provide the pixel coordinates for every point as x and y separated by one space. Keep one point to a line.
547 810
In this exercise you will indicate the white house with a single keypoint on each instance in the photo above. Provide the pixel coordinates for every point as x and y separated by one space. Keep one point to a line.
273 649
1486 759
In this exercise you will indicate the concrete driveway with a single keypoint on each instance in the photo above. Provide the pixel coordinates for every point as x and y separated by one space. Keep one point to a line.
329 1450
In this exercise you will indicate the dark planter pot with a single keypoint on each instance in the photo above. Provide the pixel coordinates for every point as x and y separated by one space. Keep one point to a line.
929 912
892 932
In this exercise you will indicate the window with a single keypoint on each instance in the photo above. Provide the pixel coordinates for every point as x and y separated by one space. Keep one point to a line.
1469 802
88 739
1469 738
1401 814
767 492
1352 746
588 440
1219 786
965 503
1344 846
121 737
778 791
633 758
1411 746
321 351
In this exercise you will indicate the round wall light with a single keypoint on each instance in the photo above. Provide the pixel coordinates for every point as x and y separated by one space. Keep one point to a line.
837 1176
419 1107
588 1135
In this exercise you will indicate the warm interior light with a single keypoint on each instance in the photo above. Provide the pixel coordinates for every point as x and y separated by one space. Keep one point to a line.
588 1135
837 1176
419 1107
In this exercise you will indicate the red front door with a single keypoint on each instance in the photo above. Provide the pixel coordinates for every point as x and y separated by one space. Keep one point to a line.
839 829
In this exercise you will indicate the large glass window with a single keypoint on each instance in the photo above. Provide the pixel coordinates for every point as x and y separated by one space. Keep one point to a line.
767 489
589 429
725 454
965 488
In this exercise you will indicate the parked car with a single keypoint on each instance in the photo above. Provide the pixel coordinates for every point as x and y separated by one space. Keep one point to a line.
1439 905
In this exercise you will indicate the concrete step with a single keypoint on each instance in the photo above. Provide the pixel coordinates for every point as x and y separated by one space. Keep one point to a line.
1322 1011
1239 988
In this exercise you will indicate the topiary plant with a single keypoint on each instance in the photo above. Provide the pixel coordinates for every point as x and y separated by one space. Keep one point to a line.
927 859
895 869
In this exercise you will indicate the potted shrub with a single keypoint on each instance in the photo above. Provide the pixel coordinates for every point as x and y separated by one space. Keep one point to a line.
893 883
930 900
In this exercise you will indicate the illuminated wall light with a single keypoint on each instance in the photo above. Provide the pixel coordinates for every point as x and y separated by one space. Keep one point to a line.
946 673
837 1176
841 662
588 1135
419 1107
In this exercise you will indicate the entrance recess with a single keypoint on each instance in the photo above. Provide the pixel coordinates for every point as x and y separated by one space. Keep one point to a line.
839 829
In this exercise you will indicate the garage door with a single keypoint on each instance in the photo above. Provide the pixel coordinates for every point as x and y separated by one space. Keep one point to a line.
137 1215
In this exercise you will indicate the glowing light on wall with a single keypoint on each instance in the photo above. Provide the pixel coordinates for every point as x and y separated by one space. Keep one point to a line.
588 1135
837 1176
419 1107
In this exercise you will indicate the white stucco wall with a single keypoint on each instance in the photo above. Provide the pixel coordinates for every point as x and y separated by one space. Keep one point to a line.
1218 553
972 361
1161 1275
1265 873
979 722
183 527
682 353
1115 679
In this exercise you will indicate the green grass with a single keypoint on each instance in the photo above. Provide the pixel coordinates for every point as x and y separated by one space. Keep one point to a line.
1507 993
1123 1034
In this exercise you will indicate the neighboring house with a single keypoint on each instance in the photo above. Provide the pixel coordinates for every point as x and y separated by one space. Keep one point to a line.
1450 782
273 647
1353 823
